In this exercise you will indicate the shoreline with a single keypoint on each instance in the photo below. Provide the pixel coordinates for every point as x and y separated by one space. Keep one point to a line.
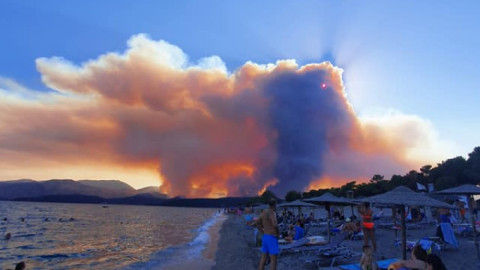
235 246
236 250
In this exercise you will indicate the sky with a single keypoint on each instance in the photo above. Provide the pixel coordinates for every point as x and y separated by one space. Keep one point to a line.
217 98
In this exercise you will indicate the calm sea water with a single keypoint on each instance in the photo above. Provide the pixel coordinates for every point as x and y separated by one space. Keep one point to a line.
87 236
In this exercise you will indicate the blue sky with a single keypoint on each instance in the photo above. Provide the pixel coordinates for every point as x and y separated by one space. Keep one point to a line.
410 57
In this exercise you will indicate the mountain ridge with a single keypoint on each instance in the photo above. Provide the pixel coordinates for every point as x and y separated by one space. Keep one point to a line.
27 188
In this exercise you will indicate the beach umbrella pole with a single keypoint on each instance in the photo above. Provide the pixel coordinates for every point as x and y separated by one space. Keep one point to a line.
470 204
404 233
394 214
328 224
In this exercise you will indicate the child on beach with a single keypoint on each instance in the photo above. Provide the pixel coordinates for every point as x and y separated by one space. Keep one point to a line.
368 262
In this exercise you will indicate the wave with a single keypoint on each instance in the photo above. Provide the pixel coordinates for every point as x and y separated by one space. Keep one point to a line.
183 256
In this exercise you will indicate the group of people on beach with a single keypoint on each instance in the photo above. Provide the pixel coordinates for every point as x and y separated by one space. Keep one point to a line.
268 225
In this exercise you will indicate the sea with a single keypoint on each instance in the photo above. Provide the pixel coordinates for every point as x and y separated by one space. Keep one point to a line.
93 236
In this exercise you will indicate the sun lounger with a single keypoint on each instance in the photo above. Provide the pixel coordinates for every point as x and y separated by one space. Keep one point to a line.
427 244
332 255
357 235
332 251
293 245
335 242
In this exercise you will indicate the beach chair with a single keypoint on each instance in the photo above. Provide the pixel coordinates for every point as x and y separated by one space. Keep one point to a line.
335 243
331 256
293 245
428 245
357 235
307 229
334 250
383 264
449 235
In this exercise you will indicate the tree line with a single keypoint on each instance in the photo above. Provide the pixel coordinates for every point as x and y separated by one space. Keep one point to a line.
449 173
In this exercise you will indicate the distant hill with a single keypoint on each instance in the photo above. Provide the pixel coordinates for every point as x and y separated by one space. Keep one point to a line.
101 191
155 191
10 190
109 184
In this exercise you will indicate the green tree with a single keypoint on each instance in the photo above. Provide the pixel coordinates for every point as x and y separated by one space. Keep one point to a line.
472 173
445 182
473 161
292 195
426 170
377 178
267 196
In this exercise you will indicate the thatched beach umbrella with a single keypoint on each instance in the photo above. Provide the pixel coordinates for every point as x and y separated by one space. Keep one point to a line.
296 203
469 191
403 196
328 199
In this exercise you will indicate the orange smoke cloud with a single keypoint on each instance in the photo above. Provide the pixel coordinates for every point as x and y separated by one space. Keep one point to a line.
208 132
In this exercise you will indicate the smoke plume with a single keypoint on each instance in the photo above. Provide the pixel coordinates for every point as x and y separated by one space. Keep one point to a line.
205 131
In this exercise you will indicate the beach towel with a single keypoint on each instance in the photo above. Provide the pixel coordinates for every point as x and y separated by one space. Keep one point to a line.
383 264
428 245
448 234
316 240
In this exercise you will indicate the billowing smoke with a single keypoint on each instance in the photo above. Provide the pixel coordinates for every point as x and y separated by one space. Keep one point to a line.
203 130
304 107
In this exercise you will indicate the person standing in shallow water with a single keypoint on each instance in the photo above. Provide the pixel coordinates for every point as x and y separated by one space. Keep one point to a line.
267 223
368 226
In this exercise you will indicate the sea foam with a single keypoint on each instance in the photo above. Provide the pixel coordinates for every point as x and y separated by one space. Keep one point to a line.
184 256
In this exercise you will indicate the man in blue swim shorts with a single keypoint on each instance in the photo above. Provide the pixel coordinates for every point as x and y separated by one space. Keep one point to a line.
267 223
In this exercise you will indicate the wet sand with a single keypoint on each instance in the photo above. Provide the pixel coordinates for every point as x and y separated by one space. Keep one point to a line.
236 249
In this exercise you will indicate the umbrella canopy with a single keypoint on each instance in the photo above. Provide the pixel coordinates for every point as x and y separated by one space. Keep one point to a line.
403 196
329 198
461 190
468 190
296 203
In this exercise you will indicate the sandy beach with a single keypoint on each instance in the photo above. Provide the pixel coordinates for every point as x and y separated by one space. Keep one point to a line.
237 251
